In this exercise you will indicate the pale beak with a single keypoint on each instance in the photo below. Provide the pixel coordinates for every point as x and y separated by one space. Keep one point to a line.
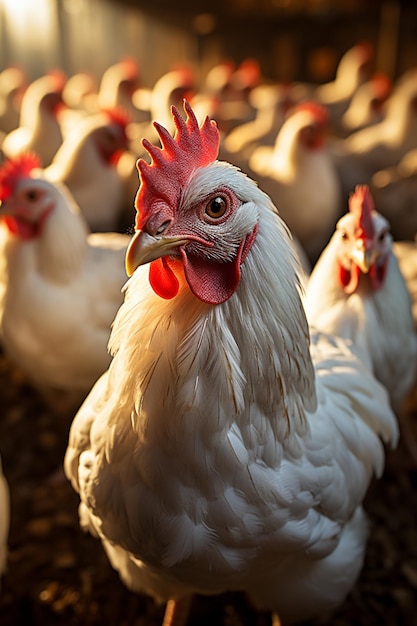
145 248
363 256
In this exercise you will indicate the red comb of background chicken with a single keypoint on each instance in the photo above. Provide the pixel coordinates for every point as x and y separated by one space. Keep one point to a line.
319 111
365 50
117 115
361 205
58 79
130 68
248 74
172 165
14 170
382 85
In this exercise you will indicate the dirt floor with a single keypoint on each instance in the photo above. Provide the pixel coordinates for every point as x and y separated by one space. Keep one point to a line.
58 575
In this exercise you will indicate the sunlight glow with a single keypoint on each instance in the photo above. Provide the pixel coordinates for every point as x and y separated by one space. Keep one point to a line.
28 21
30 34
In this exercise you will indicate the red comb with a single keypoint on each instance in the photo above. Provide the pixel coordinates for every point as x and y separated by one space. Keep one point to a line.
117 115
361 205
248 74
319 111
58 80
382 85
14 170
365 50
130 68
172 165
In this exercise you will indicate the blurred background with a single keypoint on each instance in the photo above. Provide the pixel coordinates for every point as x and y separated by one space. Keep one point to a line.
291 39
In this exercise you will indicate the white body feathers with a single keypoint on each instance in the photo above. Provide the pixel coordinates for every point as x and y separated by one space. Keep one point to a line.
302 182
218 452
94 183
59 295
380 323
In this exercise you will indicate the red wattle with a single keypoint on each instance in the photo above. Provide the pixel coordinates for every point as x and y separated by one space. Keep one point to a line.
214 282
162 278
377 274
22 228
349 279
209 281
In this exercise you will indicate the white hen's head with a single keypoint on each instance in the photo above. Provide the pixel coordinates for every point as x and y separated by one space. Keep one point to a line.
26 199
196 217
365 243
109 135
24 203
313 123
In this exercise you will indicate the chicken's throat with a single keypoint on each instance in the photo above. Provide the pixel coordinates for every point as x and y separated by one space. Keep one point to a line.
24 228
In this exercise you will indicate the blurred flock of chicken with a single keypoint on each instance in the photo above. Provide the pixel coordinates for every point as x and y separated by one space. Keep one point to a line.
236 343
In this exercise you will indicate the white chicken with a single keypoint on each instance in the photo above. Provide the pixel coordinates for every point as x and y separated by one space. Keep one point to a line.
299 175
385 143
220 450
80 99
13 82
4 519
230 87
271 103
80 91
395 193
87 163
406 254
367 106
353 70
39 129
357 290
382 145
117 87
60 288
168 90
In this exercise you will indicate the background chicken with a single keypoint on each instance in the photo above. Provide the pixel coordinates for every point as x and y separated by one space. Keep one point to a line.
353 70
39 129
168 90
271 103
229 89
60 287
358 291
79 95
384 144
13 82
367 106
118 84
221 451
299 175
87 164
406 254
395 192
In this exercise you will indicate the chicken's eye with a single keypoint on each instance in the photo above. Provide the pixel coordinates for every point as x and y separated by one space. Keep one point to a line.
216 207
32 195
344 235
382 235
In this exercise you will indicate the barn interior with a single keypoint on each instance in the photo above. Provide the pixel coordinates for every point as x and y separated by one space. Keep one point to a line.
56 574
